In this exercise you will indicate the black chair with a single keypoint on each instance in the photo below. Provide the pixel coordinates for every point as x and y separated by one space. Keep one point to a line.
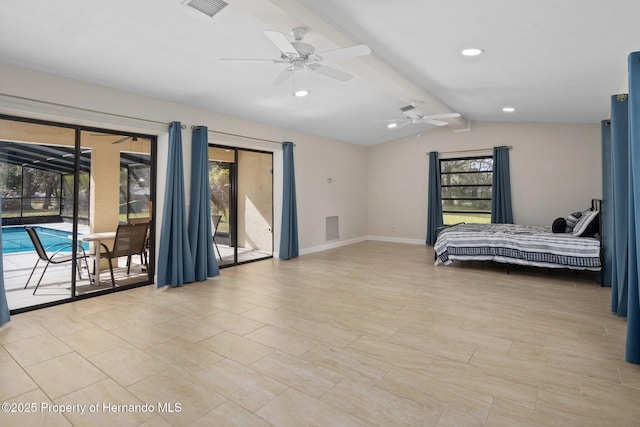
216 222
131 239
59 256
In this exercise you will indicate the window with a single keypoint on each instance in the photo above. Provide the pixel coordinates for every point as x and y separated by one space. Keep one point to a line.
466 189
135 185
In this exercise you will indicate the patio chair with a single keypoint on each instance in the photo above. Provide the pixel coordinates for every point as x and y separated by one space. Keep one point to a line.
216 221
142 220
58 256
130 240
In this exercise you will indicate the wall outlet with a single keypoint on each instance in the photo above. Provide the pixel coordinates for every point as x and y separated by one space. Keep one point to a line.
393 228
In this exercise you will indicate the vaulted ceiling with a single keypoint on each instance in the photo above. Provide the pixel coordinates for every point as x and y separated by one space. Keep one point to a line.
553 61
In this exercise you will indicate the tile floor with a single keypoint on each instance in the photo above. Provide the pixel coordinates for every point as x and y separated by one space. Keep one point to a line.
368 334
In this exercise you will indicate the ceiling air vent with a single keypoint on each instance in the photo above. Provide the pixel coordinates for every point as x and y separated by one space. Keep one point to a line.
208 7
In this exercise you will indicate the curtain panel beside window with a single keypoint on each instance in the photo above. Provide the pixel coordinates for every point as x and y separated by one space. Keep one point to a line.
289 227
434 199
200 228
621 204
175 264
4 306
620 187
606 209
501 210
633 313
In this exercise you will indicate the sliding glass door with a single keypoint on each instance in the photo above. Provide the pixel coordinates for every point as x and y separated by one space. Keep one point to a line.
40 174
65 189
241 204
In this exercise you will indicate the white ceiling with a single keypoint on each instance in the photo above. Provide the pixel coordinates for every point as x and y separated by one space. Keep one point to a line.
553 60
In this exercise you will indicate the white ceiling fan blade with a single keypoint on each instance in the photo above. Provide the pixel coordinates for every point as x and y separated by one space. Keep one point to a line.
123 140
345 52
283 76
281 42
442 116
403 124
331 72
434 122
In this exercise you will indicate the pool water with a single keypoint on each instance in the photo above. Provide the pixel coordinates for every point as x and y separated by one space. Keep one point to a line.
16 239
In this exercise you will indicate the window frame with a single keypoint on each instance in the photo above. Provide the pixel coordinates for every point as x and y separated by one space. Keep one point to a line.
448 210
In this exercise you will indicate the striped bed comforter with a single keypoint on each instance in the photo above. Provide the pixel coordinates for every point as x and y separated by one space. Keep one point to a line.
517 244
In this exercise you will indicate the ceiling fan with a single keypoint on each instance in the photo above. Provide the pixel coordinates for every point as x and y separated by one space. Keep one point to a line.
299 56
416 116
120 140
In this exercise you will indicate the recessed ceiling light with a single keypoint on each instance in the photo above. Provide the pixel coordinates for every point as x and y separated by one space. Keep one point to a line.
508 109
301 92
473 51
392 125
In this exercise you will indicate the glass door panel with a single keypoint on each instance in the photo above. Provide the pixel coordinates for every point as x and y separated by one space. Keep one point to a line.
119 193
221 173
255 205
37 165
241 204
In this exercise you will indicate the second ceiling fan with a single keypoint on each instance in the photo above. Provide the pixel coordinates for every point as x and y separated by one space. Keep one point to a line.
413 115
300 56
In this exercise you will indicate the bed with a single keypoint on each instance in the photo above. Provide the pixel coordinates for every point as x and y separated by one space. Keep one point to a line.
536 246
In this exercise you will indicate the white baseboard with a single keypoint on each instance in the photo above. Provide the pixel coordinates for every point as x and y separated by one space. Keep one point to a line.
332 245
341 243
397 240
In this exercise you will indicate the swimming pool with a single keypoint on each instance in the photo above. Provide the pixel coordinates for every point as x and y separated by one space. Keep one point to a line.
16 239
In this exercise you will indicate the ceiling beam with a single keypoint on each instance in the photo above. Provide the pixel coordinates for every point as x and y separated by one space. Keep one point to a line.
283 15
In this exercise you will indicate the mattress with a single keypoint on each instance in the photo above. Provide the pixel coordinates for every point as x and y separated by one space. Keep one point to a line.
526 245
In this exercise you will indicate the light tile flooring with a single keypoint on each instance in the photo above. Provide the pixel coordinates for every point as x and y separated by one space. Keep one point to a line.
368 334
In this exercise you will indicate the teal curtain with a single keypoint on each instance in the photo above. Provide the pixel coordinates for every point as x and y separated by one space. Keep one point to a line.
501 211
619 198
4 307
200 230
606 209
289 228
175 264
434 199
633 314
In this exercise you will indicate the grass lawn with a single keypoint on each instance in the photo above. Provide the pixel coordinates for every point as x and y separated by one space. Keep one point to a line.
455 218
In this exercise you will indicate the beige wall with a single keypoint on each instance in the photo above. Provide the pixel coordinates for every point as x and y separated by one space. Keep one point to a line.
331 180
555 170
316 158
555 167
